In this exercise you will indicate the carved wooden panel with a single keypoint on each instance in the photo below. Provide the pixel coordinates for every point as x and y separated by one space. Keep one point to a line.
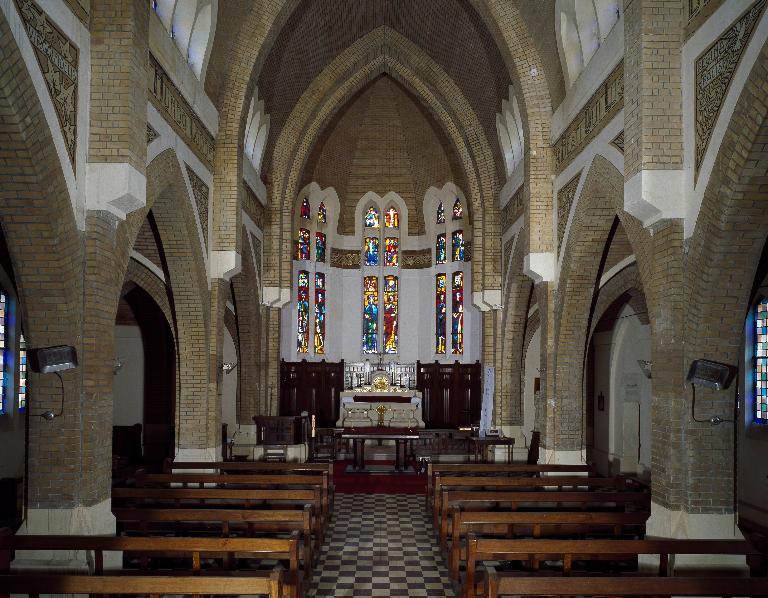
313 387
450 393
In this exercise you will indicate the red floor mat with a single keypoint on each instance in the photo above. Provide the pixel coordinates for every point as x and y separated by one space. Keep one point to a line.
378 483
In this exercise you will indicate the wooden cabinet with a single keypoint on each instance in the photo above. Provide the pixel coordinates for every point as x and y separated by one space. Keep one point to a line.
280 429
313 387
450 393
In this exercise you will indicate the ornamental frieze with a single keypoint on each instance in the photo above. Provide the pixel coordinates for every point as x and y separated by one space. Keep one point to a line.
349 259
82 10
416 259
604 104
57 57
618 142
565 197
714 71
253 207
168 100
513 210
256 255
200 193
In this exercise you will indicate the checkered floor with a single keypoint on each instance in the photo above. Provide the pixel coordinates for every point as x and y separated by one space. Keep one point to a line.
380 545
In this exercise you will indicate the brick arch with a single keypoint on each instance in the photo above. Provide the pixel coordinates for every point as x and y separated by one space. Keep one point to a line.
626 287
598 211
139 275
337 83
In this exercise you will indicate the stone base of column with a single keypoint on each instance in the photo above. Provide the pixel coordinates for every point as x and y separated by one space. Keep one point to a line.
520 452
91 521
205 455
558 457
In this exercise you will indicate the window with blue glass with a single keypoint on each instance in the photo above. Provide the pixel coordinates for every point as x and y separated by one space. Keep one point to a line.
4 398
761 362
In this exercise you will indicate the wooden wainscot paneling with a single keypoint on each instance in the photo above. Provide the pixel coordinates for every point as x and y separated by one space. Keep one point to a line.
313 387
450 393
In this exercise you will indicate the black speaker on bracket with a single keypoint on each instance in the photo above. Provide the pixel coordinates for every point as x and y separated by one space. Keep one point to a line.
47 360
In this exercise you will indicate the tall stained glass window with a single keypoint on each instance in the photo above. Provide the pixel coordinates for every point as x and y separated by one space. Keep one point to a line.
320 247
306 212
302 252
392 218
3 347
370 314
302 338
440 310
440 249
319 313
440 213
761 362
322 215
457 319
390 251
22 374
371 251
458 211
457 242
372 218
390 314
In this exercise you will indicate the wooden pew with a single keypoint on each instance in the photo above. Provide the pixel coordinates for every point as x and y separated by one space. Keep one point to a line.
499 585
154 586
550 500
538 524
247 522
193 548
535 551
226 498
519 469
523 483
169 466
201 480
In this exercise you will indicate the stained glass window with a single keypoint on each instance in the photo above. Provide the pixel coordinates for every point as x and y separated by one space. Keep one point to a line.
371 251
372 218
440 213
370 314
306 213
458 211
761 362
22 374
392 218
303 247
457 320
3 341
390 251
390 314
322 216
302 338
319 313
320 247
440 249
440 309
457 242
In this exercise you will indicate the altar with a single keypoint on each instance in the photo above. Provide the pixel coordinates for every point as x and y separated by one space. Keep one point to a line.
380 404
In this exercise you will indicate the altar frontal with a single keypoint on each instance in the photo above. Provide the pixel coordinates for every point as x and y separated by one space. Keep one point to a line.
380 403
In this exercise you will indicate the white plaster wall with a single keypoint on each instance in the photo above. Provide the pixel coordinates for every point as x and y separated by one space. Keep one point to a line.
532 365
602 343
229 386
128 387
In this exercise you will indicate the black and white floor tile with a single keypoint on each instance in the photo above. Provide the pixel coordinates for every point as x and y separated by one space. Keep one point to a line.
380 545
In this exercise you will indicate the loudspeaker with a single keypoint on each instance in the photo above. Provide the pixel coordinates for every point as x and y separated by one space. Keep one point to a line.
52 359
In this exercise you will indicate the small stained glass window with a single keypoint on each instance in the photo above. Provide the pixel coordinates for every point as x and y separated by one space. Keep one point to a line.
761 362
303 247
458 211
3 347
319 313
440 256
390 251
440 213
391 218
370 314
302 338
457 242
371 251
306 211
440 311
372 218
457 319
322 215
22 374
320 247
390 314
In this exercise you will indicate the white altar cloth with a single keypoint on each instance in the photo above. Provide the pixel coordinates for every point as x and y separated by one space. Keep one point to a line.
362 413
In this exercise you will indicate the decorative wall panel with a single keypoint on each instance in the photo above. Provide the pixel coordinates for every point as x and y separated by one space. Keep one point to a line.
200 193
513 210
348 259
415 259
618 142
253 207
565 197
151 134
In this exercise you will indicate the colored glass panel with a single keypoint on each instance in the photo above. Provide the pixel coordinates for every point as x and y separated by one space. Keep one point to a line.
761 362
302 337
322 215
303 246
440 311
320 247
392 218
390 251
440 213
372 218
457 242
390 314
22 374
458 211
371 251
457 319
306 212
370 314
319 313
440 249
3 341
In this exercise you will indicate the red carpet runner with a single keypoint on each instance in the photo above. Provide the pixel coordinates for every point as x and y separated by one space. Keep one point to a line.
367 483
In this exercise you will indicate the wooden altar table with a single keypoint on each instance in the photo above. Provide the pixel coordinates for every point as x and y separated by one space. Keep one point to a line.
358 436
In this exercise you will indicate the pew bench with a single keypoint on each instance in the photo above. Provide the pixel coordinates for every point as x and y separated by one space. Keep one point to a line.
169 466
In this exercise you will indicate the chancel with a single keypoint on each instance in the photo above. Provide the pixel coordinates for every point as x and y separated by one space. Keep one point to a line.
430 284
